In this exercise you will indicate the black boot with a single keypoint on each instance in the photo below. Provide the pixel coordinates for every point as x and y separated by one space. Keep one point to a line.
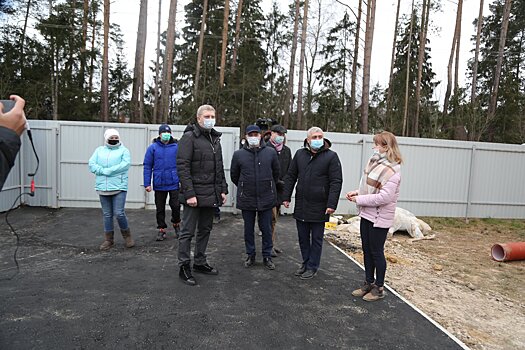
186 276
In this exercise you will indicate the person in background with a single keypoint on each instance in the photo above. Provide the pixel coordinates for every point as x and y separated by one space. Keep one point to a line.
12 125
255 171
110 163
161 161
203 185
376 201
317 172
284 154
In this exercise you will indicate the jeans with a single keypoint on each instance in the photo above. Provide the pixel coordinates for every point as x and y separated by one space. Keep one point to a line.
114 206
311 243
373 242
160 203
202 220
265 225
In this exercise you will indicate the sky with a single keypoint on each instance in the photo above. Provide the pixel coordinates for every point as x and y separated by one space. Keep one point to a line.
126 15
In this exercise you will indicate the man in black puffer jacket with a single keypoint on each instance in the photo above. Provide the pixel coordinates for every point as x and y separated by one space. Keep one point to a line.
203 185
255 172
317 171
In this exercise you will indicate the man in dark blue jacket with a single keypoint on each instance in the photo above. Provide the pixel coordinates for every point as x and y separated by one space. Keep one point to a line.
255 172
161 159
317 172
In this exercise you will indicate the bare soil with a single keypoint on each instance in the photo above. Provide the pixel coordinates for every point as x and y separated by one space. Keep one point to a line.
454 280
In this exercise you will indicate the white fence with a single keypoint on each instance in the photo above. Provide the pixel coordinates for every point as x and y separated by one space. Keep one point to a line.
439 177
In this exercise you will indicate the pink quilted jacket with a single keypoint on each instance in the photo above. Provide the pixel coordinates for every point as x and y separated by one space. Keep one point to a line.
380 208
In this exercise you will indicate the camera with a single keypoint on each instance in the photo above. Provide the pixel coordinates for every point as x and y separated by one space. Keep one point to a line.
8 105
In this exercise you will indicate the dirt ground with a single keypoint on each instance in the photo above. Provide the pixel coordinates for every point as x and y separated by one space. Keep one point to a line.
453 279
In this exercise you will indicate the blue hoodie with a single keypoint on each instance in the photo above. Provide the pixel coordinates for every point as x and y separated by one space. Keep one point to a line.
161 158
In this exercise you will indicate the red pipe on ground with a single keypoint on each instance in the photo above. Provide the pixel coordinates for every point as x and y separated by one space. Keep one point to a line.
508 251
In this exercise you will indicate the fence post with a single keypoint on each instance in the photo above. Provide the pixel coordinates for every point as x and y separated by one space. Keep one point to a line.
469 184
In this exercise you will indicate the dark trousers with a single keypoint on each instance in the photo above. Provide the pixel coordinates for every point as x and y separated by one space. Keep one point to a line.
373 242
160 203
311 242
200 219
265 225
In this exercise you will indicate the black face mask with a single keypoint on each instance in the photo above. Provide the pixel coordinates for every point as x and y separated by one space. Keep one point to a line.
113 142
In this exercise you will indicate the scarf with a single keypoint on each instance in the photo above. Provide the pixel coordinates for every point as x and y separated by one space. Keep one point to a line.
278 146
377 173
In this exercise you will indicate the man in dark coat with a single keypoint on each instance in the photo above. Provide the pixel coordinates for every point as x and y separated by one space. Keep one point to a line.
12 125
203 185
255 172
277 141
317 171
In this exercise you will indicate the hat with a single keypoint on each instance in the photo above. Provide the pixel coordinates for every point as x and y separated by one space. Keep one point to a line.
164 128
110 132
253 128
279 128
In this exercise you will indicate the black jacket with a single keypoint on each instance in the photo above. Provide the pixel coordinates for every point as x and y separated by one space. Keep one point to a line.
255 172
200 166
319 179
285 158
9 147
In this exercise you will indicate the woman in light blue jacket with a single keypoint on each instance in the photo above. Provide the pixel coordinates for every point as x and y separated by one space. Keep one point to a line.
110 163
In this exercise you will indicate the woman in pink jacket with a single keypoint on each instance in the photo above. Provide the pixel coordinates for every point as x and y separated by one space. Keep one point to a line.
376 201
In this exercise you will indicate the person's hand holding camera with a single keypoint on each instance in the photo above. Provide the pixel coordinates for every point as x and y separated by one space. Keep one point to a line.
15 118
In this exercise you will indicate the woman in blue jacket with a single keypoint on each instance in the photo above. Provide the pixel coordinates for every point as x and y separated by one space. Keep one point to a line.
110 163
161 160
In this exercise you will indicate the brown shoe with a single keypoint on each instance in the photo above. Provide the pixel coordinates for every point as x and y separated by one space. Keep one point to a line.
108 241
375 294
126 234
363 290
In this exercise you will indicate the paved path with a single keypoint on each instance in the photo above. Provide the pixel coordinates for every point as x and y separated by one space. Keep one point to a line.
69 295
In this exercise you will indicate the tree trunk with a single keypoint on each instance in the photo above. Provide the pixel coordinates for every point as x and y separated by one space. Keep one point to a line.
92 61
476 55
201 45
224 41
353 84
137 103
105 66
310 70
85 18
458 45
299 124
289 92
369 38
168 63
407 82
22 40
449 69
391 75
237 33
156 101
425 12
503 37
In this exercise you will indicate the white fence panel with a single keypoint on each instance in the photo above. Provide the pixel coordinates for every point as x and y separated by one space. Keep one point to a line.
439 177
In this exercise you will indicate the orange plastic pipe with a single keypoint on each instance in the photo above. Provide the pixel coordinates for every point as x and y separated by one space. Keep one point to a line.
508 251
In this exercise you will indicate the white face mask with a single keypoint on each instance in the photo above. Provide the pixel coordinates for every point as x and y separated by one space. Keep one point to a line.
208 123
253 140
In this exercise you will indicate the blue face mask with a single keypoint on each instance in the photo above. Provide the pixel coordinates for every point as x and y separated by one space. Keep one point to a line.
209 123
253 141
279 139
165 136
316 144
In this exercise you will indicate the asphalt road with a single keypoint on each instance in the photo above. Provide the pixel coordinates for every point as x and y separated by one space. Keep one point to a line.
68 295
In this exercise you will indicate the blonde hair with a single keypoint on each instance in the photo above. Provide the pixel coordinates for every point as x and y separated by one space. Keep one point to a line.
388 140
204 108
